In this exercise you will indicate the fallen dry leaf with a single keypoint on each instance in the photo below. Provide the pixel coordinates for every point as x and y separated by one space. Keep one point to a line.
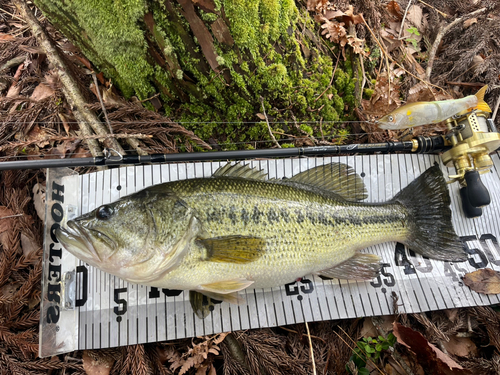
431 358
28 245
39 200
394 9
41 92
485 281
469 22
6 38
461 347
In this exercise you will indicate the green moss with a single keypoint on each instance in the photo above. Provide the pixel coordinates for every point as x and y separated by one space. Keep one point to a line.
367 93
306 128
267 61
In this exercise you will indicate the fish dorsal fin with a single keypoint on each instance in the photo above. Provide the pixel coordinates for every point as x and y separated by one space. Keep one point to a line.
242 171
233 249
360 266
481 104
338 178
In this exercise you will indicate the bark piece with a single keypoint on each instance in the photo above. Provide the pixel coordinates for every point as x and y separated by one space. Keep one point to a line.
201 33
221 32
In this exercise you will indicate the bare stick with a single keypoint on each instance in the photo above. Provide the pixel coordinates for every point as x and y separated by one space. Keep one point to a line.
102 103
437 10
267 122
426 83
439 37
311 348
13 62
403 21
496 109
11 145
70 87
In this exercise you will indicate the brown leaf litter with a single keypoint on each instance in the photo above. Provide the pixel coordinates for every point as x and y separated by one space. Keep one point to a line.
485 281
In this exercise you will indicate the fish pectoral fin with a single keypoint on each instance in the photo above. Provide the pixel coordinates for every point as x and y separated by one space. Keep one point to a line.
338 178
226 286
233 249
203 303
359 267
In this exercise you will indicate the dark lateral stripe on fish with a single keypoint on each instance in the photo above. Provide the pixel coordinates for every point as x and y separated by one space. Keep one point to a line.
272 216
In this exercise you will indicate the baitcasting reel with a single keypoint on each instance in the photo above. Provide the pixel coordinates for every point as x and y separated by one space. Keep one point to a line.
473 137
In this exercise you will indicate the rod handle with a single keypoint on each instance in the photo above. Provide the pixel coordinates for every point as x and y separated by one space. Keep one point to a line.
477 193
469 210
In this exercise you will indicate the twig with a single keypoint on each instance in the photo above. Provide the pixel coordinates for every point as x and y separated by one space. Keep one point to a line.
439 37
428 84
437 10
267 122
13 62
496 109
403 21
70 87
61 138
331 81
311 348
400 361
15 80
7 217
102 103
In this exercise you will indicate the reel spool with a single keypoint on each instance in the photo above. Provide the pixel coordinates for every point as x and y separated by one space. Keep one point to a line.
473 137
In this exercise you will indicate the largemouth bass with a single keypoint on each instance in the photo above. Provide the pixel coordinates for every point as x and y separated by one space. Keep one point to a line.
422 113
217 236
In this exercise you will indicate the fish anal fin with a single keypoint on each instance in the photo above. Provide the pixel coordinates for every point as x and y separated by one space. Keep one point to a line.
338 178
233 249
481 104
240 170
359 267
225 286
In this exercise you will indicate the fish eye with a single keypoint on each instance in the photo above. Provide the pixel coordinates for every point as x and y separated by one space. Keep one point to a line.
104 212
390 118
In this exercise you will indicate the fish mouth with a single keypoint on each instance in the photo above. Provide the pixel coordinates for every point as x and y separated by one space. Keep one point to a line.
77 240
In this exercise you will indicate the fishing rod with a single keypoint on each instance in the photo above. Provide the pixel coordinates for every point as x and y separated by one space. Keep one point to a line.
471 138
419 145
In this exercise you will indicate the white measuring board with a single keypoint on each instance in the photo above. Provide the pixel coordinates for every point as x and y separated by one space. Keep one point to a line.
85 308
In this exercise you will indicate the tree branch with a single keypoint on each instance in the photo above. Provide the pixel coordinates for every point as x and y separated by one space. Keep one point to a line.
441 34
87 120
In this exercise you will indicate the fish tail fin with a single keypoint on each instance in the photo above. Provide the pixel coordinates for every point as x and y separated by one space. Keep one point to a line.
481 104
427 201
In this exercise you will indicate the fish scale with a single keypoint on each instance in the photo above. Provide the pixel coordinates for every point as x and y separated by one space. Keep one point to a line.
307 233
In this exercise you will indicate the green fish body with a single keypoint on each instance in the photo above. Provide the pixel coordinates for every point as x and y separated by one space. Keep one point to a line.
219 235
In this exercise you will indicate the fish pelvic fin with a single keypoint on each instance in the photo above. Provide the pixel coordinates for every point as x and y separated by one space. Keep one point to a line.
481 104
427 201
203 303
233 249
359 267
225 286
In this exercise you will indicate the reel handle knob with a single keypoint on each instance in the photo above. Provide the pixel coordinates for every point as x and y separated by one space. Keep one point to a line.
469 210
478 195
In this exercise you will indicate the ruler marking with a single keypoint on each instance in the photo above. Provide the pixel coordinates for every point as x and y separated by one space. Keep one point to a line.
421 291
